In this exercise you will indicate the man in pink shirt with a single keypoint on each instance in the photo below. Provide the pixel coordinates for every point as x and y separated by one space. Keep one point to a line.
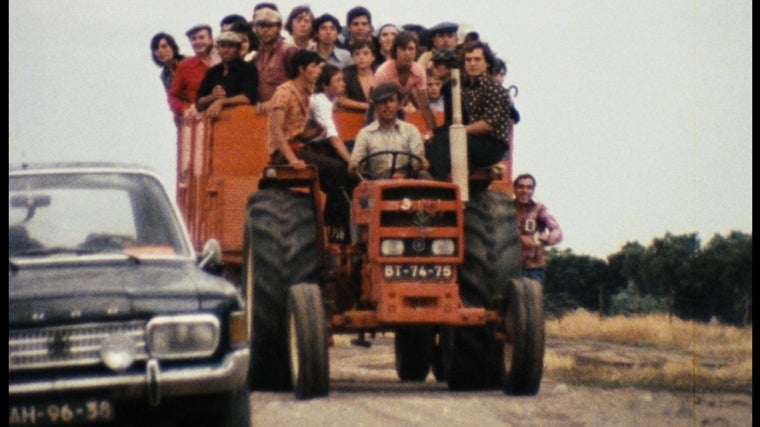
537 228
190 73
403 70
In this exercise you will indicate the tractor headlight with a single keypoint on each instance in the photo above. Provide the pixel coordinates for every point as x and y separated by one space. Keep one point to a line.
443 247
185 336
392 247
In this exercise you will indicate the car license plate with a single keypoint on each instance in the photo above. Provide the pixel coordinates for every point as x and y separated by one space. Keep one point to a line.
418 271
62 412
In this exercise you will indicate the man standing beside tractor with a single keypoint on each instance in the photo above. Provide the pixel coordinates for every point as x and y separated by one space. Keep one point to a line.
537 228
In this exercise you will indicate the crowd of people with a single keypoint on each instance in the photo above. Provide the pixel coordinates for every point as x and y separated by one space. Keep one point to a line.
299 69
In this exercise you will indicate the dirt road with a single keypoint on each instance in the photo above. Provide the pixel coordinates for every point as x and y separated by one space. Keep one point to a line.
365 391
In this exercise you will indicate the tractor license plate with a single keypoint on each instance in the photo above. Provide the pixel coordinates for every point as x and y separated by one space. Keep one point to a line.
61 412
418 271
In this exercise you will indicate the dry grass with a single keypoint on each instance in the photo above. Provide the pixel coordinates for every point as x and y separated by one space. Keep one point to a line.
696 356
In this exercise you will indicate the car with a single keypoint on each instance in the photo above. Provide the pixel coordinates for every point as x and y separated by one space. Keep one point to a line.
112 317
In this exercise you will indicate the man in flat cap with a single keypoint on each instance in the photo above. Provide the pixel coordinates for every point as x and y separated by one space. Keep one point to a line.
231 82
444 37
273 57
388 132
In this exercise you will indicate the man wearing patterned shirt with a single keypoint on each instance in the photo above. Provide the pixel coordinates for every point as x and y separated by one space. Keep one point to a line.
485 114
537 228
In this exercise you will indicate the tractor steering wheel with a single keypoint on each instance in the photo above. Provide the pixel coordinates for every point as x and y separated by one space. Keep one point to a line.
363 162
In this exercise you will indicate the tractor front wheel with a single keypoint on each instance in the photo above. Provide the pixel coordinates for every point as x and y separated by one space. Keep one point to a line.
524 332
307 335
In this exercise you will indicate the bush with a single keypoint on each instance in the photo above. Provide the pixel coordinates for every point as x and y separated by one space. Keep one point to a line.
630 301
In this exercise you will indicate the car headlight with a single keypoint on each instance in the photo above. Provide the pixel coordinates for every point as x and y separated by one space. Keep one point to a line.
443 247
184 336
392 247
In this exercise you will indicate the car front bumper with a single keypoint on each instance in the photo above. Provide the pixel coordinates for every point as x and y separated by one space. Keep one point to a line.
229 375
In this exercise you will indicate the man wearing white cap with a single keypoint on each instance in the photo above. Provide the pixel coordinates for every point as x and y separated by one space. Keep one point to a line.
184 88
231 82
444 37
273 57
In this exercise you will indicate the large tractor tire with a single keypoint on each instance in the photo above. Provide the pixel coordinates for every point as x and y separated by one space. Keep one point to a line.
280 251
414 353
492 253
473 358
307 336
524 331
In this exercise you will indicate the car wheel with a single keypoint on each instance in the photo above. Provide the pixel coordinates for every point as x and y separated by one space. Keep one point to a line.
235 410
218 410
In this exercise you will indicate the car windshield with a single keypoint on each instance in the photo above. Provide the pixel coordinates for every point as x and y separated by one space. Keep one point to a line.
91 213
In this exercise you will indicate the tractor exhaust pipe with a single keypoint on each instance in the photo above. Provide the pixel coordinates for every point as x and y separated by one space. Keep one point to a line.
458 139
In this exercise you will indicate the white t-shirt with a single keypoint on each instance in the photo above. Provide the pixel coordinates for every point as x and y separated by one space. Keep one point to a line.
322 110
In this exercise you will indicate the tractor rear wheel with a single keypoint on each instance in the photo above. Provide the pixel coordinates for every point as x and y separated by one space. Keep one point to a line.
492 253
414 353
307 336
473 358
281 240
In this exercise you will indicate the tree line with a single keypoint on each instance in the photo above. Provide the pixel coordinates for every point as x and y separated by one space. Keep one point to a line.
674 274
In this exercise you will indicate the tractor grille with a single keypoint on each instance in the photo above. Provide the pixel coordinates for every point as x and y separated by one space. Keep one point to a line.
417 219
417 193
71 345
431 207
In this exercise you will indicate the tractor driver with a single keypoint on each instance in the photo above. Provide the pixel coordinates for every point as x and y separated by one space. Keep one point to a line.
388 132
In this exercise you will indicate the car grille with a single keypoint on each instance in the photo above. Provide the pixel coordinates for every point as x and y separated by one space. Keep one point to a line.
72 345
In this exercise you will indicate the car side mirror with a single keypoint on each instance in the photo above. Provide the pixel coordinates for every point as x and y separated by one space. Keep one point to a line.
210 259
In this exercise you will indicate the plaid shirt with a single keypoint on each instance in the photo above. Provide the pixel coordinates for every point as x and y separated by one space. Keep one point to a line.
534 220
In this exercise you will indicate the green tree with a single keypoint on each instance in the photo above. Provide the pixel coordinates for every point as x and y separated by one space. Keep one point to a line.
578 278
694 283
625 268
668 268
725 272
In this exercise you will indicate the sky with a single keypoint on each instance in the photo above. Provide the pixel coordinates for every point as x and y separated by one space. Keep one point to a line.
636 116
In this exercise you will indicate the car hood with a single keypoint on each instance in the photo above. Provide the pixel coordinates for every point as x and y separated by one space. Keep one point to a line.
113 291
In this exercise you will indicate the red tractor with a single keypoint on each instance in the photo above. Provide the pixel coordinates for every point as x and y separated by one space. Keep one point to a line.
436 263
